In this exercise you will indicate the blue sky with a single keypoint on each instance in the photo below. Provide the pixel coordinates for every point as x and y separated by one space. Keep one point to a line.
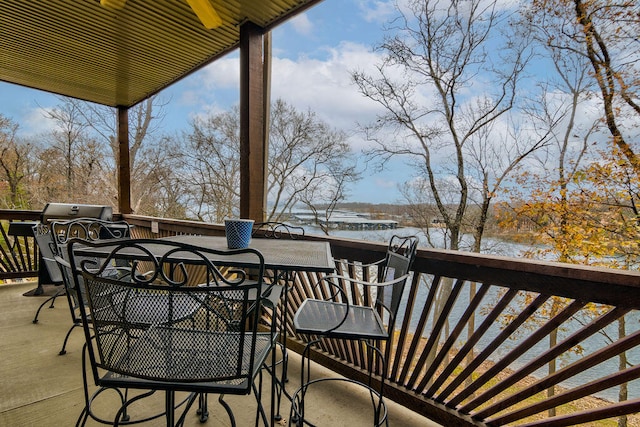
313 55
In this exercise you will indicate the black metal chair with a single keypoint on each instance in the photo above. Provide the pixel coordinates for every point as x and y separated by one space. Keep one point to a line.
51 244
278 296
203 338
277 230
61 231
48 250
368 319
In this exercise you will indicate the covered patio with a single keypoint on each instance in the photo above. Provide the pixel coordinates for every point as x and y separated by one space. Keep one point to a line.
475 343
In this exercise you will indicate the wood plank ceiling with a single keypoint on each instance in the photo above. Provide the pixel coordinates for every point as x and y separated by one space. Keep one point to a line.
119 57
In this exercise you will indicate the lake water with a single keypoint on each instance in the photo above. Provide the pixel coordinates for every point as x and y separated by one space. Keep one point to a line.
499 247
489 245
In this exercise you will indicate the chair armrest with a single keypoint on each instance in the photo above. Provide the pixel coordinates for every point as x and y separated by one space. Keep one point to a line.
332 283
271 294
371 264
63 262
363 282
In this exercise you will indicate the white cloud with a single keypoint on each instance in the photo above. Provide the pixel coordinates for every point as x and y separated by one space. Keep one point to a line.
34 122
302 24
377 10
222 74
325 86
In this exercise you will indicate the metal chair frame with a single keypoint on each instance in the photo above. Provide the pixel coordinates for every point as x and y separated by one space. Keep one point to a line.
48 250
216 348
93 229
371 322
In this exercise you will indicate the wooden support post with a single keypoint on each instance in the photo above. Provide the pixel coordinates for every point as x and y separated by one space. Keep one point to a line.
252 113
124 166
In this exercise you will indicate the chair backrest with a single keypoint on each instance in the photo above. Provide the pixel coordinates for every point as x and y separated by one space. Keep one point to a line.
92 229
400 255
128 314
48 250
88 229
277 230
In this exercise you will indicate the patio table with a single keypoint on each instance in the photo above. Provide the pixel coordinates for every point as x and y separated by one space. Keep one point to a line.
279 254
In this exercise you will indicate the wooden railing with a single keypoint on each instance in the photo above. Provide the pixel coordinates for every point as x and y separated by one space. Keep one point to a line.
18 250
487 340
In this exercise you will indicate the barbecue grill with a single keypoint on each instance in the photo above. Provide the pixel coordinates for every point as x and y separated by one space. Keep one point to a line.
53 211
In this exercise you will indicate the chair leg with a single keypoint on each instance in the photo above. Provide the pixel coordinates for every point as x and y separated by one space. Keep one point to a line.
257 391
66 338
52 299
169 407
84 415
280 388
188 402
296 415
378 407
276 416
228 409
203 410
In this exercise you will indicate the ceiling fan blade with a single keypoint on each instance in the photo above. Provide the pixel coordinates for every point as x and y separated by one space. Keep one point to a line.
113 4
206 13
202 8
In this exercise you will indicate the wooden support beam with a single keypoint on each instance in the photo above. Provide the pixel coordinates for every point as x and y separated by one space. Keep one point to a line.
124 166
252 113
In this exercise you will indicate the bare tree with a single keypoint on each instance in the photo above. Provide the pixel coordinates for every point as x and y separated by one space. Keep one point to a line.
322 196
145 121
166 192
14 164
573 198
446 84
605 33
308 163
212 166
69 138
447 87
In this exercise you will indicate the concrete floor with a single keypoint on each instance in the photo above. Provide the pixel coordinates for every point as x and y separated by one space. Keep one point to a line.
38 387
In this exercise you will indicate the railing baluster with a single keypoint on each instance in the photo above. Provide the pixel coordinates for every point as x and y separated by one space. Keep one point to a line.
453 336
526 345
551 354
525 314
417 338
613 410
471 341
573 369
436 332
585 390
403 333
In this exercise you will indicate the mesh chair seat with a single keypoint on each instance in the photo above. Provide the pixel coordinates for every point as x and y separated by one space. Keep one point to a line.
182 358
316 317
